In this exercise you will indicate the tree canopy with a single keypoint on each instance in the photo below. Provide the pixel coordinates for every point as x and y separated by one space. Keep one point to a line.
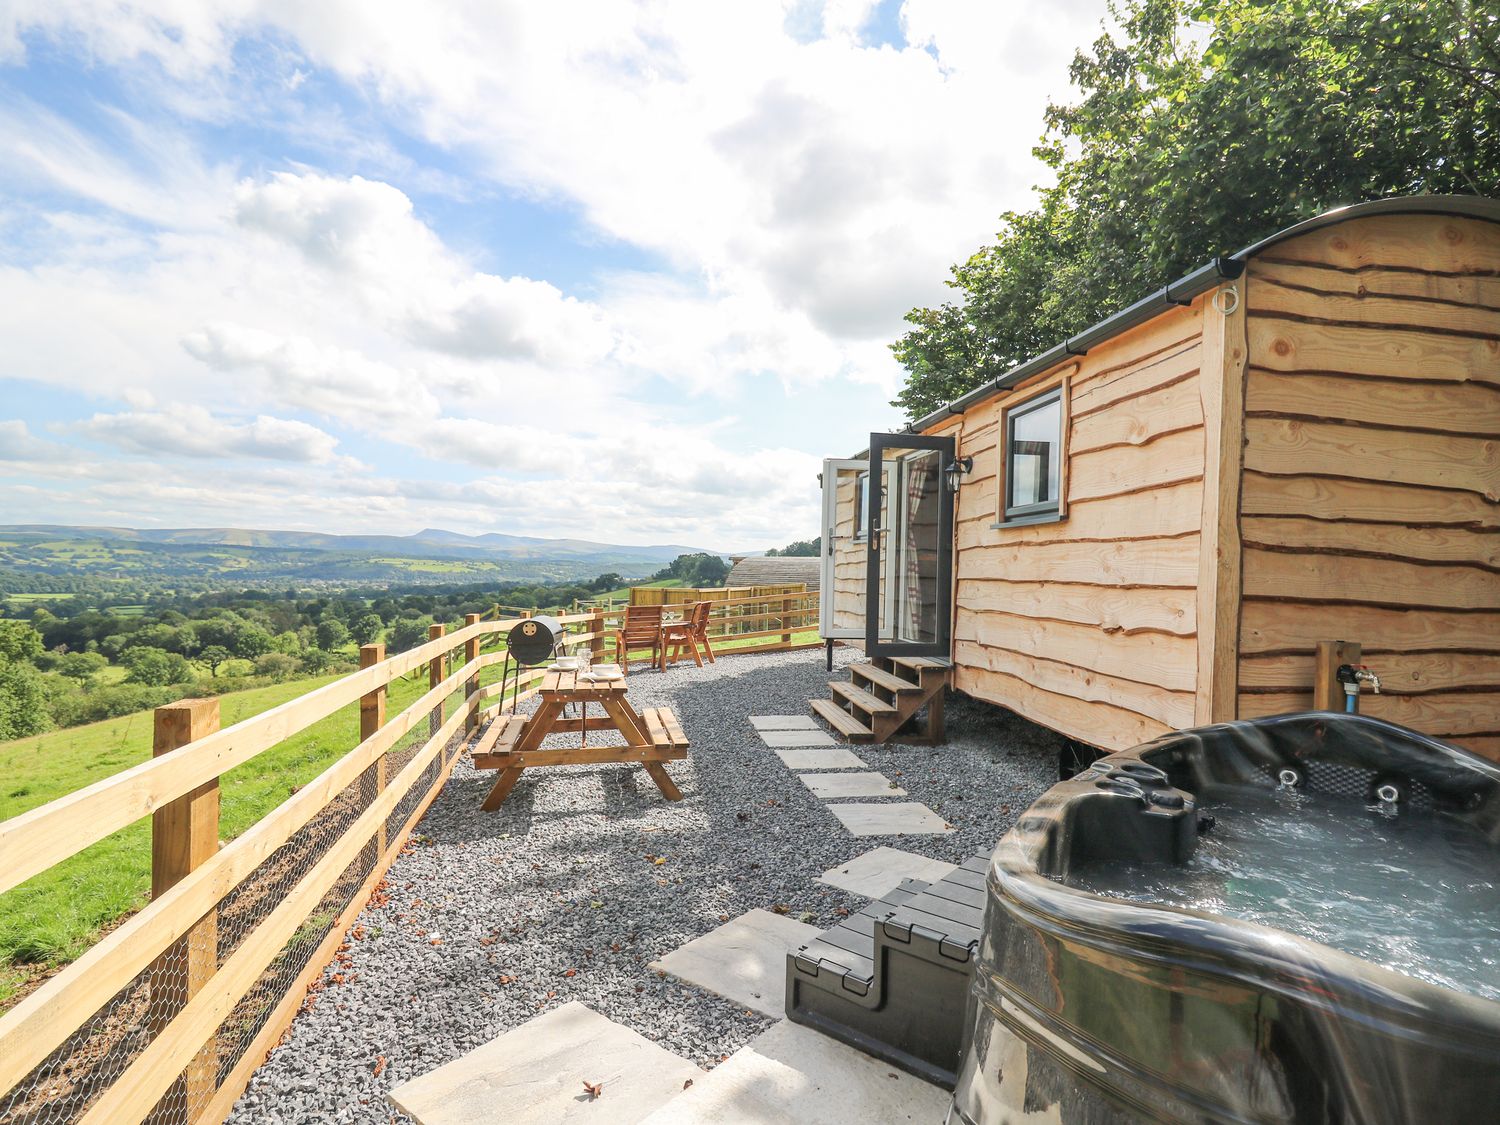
1200 127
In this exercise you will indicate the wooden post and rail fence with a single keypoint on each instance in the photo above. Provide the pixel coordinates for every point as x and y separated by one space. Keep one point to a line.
168 1015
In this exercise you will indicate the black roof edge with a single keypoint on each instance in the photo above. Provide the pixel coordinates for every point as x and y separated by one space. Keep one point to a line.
1186 288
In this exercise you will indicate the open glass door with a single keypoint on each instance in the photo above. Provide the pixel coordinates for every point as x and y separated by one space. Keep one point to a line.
841 598
909 550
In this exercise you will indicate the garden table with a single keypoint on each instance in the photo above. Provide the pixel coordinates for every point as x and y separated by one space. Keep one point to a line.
512 744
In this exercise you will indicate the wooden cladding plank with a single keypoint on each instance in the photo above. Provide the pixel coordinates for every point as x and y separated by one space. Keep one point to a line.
1171 611
1174 708
1485 745
1093 393
1292 447
1263 494
1277 295
1414 287
1277 626
1150 658
1401 673
1442 716
1389 353
1442 243
1456 408
1159 513
1378 581
1099 724
1136 562
1221 388
1431 544
1138 421
1126 469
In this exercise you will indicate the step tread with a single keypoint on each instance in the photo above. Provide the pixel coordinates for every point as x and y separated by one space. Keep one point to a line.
888 680
920 662
841 721
862 699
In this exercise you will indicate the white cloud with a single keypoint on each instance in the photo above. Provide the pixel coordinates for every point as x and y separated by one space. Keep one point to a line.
191 431
19 444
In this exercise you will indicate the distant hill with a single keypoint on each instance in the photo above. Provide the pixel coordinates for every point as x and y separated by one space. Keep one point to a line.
34 557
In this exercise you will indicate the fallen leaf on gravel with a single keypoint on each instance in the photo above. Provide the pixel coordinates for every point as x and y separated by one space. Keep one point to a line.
596 904
552 996
659 860
614 947
842 912
379 1066
436 941
595 1089
723 917
571 973
737 816
507 979
780 908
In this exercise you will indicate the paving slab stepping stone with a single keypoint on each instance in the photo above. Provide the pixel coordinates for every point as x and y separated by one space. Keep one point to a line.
881 870
813 758
784 722
894 819
535 1074
792 1073
744 960
776 738
828 785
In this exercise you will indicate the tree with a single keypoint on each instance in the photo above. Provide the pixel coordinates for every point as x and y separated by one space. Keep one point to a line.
251 641
19 642
277 665
332 634
1182 146
81 665
366 629
156 667
213 656
799 549
699 570
407 633
315 660
23 701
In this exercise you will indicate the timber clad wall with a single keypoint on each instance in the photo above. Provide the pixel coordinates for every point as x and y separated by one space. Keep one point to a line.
1087 625
1372 469
848 562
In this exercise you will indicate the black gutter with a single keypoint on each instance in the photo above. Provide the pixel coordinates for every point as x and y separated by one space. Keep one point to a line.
1205 277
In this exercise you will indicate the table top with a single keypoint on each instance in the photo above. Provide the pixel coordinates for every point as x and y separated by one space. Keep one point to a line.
568 683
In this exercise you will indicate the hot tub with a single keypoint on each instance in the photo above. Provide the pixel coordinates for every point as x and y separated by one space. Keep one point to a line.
1159 935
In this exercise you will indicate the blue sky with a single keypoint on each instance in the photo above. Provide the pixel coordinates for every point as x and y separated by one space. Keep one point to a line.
615 271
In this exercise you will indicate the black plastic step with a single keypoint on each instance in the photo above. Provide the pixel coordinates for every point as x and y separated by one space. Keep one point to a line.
892 979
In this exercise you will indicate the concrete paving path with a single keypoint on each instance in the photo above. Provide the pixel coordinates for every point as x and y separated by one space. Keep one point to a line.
794 1074
744 960
881 870
535 1074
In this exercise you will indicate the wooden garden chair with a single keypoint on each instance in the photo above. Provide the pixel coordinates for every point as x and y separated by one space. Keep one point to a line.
640 630
690 633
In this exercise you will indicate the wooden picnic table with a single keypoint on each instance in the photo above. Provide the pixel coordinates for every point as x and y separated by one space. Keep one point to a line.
513 743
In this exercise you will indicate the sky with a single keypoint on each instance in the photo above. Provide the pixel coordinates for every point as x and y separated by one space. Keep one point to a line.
618 271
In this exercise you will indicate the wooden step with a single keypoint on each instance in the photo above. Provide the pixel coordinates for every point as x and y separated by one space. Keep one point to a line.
869 704
841 721
918 663
888 680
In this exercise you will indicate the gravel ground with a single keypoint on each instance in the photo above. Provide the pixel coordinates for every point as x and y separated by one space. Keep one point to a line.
586 874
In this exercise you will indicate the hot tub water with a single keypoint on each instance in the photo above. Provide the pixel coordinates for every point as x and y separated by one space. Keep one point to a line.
1414 891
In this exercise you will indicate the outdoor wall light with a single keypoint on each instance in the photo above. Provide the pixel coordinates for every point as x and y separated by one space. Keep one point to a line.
957 469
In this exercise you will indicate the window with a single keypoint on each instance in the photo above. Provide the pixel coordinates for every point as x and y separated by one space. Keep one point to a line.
1034 459
861 517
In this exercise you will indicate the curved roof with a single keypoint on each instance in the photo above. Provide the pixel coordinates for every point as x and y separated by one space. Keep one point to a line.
1205 277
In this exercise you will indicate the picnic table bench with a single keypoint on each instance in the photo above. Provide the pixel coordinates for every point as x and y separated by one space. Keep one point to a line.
512 744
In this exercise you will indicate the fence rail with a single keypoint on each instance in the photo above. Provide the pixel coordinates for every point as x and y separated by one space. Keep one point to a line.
166 1017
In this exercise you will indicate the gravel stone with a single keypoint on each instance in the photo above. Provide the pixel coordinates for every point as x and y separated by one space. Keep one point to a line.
563 880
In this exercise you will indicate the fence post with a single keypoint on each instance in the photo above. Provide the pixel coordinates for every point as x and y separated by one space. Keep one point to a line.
1328 693
596 626
437 669
371 719
184 834
786 614
471 685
